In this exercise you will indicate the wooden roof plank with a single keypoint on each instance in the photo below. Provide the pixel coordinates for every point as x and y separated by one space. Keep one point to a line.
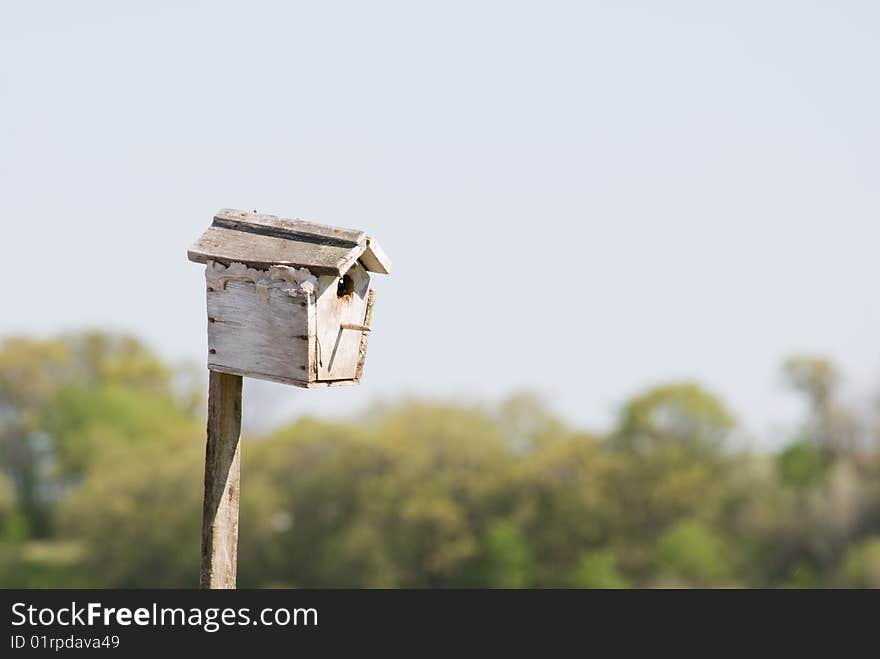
231 246
374 258
294 227
260 240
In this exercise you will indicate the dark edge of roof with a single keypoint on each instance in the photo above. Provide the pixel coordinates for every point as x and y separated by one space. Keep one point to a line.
283 234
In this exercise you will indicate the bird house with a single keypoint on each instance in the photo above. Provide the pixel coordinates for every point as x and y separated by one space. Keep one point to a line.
288 300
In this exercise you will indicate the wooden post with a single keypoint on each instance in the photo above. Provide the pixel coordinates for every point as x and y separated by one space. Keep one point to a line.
222 475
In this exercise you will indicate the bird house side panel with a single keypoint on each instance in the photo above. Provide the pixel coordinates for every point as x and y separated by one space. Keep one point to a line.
341 309
260 333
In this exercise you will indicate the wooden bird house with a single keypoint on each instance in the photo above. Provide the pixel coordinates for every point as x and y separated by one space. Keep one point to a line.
288 300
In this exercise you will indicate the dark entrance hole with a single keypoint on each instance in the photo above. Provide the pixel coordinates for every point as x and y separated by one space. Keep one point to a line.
345 286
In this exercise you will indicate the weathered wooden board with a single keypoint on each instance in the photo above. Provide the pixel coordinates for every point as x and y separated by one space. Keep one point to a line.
375 259
258 332
290 227
231 246
368 321
222 476
339 347
260 241
311 384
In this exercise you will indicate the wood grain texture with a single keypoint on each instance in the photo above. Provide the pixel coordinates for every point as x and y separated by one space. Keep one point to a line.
222 478
260 328
375 259
285 325
292 280
292 226
255 251
339 348
314 346
260 241
368 321
305 384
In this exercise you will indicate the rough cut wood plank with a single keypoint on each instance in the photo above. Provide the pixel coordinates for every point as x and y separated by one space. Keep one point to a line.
310 384
312 320
231 246
368 321
256 240
222 476
375 259
290 226
258 334
339 347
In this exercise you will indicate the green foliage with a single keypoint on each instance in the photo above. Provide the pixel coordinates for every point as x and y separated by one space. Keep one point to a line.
87 421
138 516
861 567
816 377
44 564
684 414
13 525
598 569
403 502
508 560
691 552
803 575
102 456
829 425
40 381
525 421
801 465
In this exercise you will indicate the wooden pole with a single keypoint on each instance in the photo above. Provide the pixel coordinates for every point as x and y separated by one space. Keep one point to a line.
222 475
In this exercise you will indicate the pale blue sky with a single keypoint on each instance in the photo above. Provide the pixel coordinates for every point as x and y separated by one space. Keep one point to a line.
580 198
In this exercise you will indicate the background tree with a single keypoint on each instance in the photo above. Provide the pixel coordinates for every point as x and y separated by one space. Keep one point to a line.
681 414
830 426
102 460
34 374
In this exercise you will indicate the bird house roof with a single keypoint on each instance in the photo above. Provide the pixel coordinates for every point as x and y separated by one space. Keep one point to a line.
261 241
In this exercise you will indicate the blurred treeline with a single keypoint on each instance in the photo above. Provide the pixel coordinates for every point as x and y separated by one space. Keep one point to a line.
102 457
